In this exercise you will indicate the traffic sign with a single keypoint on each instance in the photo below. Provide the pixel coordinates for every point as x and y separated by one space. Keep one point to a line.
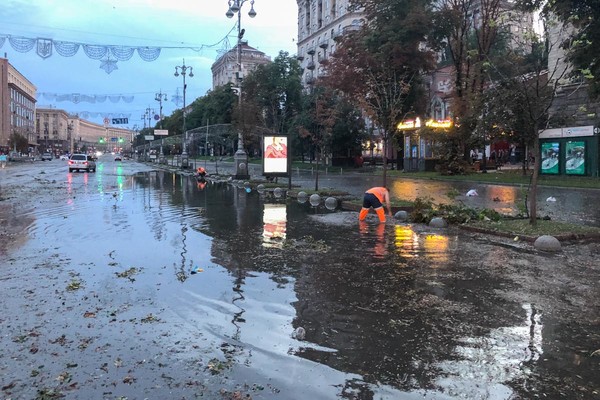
118 121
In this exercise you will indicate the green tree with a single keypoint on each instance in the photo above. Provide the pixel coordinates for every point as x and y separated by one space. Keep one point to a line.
316 121
19 142
271 99
473 42
379 68
518 104
583 45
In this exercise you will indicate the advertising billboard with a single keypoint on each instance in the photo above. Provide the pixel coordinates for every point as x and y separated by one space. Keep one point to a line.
575 158
275 155
550 157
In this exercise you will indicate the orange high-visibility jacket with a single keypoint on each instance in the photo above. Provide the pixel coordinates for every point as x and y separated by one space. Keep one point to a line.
379 192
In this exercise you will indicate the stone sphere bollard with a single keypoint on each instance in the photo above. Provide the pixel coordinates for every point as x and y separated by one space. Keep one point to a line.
438 222
302 197
314 199
401 215
278 192
331 203
547 243
260 188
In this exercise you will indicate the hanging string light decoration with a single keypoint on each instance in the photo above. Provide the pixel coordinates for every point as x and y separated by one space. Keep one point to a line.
108 64
88 98
107 54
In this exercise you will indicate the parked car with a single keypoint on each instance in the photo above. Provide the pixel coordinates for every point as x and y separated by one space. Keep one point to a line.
46 157
81 161
118 158
64 157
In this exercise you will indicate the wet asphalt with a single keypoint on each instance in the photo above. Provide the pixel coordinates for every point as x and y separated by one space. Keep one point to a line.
137 282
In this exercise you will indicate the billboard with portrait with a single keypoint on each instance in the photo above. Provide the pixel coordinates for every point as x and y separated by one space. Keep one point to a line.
275 155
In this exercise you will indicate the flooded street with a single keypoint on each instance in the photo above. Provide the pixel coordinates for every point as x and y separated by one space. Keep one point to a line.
135 283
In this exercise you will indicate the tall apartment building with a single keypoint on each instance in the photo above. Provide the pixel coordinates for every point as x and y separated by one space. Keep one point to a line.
17 97
320 22
572 102
226 68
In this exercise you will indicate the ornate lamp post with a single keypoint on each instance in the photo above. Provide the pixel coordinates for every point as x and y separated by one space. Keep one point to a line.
160 97
240 157
184 69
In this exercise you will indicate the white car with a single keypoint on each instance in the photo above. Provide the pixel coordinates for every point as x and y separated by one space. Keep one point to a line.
64 157
82 161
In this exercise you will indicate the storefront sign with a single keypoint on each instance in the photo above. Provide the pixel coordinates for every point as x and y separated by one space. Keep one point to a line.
574 131
578 131
444 124
409 124
161 132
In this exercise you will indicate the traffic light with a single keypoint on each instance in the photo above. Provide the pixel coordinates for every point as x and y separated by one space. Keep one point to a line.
102 140
121 140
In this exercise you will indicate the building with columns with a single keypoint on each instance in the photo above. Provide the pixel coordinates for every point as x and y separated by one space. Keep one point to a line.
225 70
58 132
17 96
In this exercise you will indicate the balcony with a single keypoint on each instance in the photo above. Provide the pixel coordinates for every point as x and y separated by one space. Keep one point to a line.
337 35
300 58
324 43
350 28
310 65
310 80
311 51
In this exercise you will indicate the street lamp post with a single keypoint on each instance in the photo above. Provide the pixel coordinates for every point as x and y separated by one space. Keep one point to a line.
184 68
240 157
160 97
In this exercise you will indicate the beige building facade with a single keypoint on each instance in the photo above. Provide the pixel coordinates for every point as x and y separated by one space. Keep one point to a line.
225 70
320 22
59 132
18 98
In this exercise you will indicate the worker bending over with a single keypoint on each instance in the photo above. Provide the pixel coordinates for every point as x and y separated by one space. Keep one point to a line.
376 197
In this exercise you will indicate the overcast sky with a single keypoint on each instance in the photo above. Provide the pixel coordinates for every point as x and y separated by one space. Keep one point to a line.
153 23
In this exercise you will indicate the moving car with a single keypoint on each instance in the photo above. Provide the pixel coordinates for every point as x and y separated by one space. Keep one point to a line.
46 157
118 158
64 157
81 161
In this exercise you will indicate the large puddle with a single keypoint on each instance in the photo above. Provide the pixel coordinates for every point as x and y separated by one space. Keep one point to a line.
299 299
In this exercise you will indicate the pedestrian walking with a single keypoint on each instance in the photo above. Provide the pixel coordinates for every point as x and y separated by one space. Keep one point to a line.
376 197
3 160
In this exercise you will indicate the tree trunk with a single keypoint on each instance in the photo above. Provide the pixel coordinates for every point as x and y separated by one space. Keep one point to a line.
385 147
317 174
534 179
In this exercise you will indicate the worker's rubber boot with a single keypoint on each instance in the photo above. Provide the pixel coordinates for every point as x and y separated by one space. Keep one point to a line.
381 214
363 214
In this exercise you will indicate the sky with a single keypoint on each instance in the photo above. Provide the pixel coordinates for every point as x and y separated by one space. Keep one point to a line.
190 30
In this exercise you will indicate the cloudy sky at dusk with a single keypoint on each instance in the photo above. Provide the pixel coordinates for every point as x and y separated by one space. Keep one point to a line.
194 30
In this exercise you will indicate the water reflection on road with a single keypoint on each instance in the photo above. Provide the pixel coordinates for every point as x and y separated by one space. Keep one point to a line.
390 311
569 205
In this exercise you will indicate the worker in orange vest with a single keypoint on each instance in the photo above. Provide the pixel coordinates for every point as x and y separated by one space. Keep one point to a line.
376 197
201 172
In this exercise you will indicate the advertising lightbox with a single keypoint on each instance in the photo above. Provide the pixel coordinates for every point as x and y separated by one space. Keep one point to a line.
275 155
